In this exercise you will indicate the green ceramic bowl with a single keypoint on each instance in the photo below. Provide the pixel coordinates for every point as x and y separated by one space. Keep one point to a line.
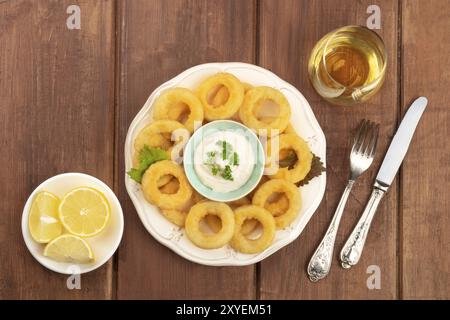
208 129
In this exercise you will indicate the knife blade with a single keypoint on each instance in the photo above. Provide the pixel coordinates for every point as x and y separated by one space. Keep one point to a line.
400 143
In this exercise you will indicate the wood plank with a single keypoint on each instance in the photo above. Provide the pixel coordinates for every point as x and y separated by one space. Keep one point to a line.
288 31
425 188
56 115
159 39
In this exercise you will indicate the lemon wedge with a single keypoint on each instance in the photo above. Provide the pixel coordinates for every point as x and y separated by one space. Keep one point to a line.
69 248
43 220
84 212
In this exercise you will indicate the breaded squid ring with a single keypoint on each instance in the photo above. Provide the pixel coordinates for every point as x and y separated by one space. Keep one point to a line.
165 182
174 102
247 86
215 223
170 187
279 206
235 96
253 99
282 186
245 245
153 141
178 217
222 94
210 241
152 135
304 156
154 195
220 97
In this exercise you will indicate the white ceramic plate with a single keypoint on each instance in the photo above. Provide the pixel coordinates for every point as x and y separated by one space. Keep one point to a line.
103 245
305 124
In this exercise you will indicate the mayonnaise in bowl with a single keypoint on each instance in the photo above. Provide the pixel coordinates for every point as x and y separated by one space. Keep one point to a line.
224 161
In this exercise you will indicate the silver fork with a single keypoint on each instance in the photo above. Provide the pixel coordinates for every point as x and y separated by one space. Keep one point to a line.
361 157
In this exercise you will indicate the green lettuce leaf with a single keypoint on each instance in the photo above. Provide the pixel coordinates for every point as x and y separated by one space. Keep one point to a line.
147 157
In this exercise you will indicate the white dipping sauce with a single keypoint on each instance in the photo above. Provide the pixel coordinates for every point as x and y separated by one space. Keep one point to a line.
209 154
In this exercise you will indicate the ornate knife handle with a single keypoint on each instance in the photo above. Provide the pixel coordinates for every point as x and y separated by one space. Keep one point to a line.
320 263
352 250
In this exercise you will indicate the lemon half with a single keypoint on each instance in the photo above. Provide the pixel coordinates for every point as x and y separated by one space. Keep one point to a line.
43 220
84 212
69 248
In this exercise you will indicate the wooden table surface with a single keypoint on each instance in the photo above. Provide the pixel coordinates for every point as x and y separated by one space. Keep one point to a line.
67 98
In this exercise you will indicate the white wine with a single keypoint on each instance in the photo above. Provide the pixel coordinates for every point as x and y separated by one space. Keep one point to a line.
347 66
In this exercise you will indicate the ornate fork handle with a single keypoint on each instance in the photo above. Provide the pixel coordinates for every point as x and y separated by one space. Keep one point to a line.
352 250
320 263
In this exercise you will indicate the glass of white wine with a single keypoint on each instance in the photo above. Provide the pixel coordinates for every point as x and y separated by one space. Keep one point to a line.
348 65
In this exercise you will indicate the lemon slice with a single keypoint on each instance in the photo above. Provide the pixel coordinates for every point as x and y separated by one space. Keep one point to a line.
84 212
43 220
69 248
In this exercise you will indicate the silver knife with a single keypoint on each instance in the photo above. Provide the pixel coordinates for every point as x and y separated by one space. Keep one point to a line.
351 252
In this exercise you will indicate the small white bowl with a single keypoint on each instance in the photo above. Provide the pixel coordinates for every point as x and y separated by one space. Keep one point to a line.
103 245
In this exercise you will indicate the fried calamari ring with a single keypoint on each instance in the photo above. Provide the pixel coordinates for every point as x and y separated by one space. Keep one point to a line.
301 168
249 225
171 186
266 112
281 186
247 86
239 202
199 212
208 89
154 195
178 217
220 97
153 141
277 206
245 245
254 98
153 135
179 104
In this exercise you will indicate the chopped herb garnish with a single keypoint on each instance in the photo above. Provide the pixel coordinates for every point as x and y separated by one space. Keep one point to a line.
227 149
224 150
228 155
235 159
226 173
211 154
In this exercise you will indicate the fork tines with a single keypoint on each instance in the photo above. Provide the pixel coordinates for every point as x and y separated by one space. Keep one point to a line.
365 140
